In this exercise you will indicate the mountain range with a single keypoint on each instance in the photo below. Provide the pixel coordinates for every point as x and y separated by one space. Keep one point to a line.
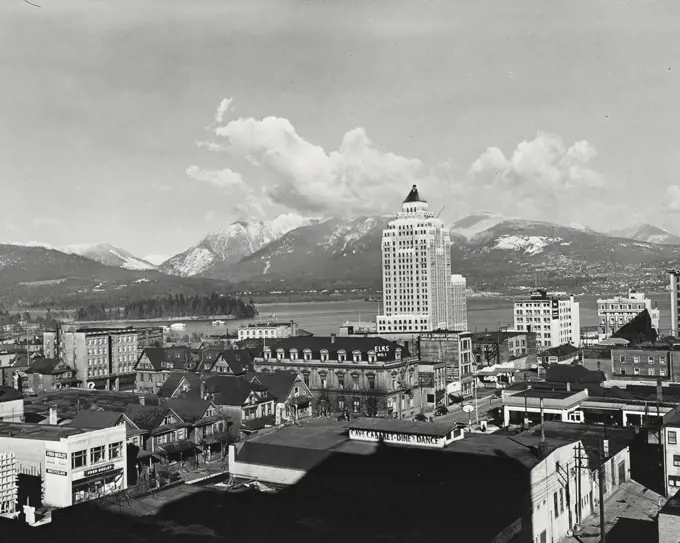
493 251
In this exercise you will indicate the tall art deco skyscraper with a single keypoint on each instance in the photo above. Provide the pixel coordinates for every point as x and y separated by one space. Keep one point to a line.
419 292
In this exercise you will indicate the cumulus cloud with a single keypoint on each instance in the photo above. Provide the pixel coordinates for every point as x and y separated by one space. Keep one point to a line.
673 198
355 178
225 178
543 164
223 109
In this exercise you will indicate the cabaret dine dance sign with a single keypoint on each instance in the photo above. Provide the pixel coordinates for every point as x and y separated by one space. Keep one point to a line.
398 438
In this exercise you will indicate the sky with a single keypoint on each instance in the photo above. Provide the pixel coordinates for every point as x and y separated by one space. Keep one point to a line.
148 124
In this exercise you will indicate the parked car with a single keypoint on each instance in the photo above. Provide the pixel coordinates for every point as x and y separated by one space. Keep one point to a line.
441 410
420 418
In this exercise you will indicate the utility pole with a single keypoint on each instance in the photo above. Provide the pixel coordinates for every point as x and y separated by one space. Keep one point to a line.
526 404
601 477
578 484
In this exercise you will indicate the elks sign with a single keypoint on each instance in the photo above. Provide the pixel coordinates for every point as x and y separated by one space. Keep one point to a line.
396 437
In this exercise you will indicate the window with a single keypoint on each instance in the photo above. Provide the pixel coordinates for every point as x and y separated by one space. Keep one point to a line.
96 454
636 360
673 480
556 505
371 382
561 500
78 459
341 404
324 356
650 371
324 383
662 372
355 382
306 378
115 450
356 405
672 437
297 391
356 356
622 359
341 381
650 360
623 371
636 371
676 460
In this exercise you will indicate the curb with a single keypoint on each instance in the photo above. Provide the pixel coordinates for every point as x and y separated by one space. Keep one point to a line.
201 479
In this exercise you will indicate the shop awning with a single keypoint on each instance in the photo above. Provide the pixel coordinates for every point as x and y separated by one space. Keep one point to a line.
97 477
177 447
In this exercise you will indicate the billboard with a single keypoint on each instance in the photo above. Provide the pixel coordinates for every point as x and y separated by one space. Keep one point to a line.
555 309
426 379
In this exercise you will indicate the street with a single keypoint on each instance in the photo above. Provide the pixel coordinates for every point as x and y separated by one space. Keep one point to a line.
483 404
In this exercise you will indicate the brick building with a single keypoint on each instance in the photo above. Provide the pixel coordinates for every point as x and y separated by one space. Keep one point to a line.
645 364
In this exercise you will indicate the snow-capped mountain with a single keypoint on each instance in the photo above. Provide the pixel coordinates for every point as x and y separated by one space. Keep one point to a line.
104 253
226 247
647 232
336 250
472 225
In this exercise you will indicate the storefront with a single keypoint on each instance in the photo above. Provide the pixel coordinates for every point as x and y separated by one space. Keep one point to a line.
97 482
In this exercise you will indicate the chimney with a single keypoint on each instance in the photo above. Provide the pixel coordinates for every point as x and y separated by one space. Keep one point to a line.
53 415
142 400
599 365
332 338
203 393
568 386
293 328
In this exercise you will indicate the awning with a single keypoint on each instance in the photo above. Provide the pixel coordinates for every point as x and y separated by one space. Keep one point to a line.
600 411
300 401
177 446
97 477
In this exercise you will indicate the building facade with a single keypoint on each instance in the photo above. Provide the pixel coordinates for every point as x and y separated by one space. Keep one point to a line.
418 289
555 320
490 348
102 358
673 287
613 313
359 375
75 464
268 330
643 364
453 365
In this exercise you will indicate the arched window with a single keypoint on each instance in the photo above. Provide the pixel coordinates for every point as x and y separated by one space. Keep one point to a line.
307 354
293 354
342 356
324 355
371 356
356 356
397 354
279 354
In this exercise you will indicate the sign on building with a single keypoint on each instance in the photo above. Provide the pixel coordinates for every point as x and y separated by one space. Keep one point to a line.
426 379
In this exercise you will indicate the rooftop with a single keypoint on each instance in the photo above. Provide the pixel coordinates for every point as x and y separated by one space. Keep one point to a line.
413 196
495 336
41 432
401 426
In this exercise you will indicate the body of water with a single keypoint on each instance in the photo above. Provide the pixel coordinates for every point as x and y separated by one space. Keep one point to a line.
323 318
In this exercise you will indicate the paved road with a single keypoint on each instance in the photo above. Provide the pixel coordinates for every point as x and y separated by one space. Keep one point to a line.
456 413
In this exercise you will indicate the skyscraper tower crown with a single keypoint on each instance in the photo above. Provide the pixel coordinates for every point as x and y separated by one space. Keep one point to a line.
413 196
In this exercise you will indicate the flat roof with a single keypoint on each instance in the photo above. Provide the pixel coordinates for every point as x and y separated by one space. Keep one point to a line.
436 429
41 432
546 394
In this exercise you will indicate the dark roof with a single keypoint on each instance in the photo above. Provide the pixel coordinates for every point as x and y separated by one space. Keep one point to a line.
560 351
46 366
190 410
7 394
95 419
567 373
333 344
230 390
158 355
402 426
278 383
558 434
238 361
147 417
672 418
413 196
638 330
173 381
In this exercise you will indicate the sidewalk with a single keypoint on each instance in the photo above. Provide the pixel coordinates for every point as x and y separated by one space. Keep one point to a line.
214 467
632 508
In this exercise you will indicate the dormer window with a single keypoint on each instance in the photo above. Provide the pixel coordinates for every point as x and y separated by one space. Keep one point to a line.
371 357
342 356
324 356
397 354
307 354
279 354
293 354
356 356
267 354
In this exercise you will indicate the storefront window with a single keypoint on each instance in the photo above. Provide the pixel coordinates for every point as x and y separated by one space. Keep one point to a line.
115 450
96 454
78 459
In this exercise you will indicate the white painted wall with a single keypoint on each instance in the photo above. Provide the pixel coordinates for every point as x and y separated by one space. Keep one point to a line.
265 474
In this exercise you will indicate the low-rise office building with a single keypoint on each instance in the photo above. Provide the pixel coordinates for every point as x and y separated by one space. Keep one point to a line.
271 330
555 319
491 348
645 364
614 313
75 464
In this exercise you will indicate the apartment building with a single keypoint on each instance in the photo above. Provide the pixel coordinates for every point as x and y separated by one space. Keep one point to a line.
419 292
499 347
447 365
613 313
268 330
103 358
555 320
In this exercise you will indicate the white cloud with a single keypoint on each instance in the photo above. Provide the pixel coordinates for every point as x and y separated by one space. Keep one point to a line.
209 216
223 109
225 178
155 259
209 145
673 198
354 179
